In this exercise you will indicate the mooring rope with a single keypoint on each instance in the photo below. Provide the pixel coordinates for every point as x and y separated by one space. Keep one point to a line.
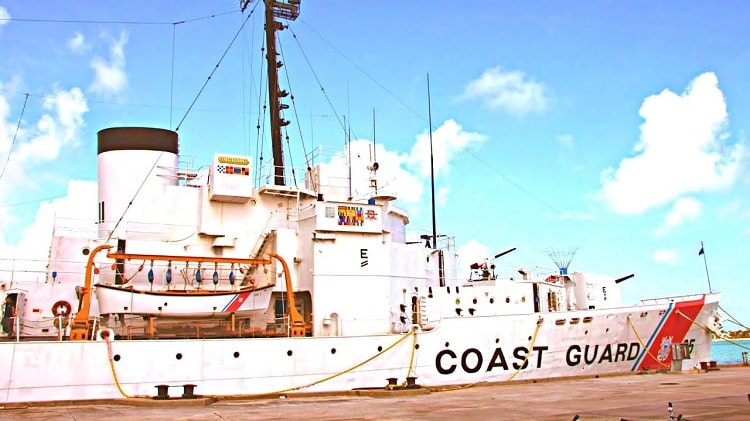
539 323
332 376
112 367
411 359
643 345
531 346
709 330
732 318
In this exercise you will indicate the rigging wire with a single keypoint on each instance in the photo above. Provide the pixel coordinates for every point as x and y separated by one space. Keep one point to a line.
216 67
246 122
296 118
364 72
261 128
416 113
171 78
117 22
317 79
28 202
130 203
15 135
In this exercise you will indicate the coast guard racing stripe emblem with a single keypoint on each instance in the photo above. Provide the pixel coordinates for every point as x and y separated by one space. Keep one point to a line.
672 329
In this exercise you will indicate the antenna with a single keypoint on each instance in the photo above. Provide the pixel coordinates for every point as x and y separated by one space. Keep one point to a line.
432 164
562 258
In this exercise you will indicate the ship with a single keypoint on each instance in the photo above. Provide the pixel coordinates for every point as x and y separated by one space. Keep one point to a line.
222 283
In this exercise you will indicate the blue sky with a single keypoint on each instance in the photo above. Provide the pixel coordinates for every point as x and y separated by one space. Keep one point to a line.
614 128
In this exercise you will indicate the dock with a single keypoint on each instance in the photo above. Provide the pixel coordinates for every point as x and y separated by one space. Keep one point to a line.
719 394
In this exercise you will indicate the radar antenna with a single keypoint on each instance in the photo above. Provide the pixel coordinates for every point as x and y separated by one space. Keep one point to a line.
562 258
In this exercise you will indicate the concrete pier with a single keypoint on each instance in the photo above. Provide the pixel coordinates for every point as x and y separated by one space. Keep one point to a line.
722 394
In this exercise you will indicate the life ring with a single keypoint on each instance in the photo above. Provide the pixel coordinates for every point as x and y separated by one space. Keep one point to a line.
61 308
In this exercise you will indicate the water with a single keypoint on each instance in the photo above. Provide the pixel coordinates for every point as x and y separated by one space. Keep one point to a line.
729 352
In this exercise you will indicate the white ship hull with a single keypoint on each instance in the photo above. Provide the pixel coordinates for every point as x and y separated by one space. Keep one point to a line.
458 350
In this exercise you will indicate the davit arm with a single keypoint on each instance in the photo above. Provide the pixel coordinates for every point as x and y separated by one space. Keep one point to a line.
80 328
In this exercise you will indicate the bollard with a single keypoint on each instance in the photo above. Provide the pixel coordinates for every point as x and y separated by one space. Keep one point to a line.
188 391
162 392
744 358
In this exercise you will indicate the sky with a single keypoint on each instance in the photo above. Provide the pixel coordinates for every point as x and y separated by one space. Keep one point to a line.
615 130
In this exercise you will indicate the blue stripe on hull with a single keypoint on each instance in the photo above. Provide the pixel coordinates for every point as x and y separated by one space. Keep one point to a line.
653 336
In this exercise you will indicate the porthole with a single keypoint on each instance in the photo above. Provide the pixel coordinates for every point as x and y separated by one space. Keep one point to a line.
507 300
289 353
236 354
116 357
178 356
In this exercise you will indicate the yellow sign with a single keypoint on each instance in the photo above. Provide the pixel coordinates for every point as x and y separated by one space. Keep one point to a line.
232 160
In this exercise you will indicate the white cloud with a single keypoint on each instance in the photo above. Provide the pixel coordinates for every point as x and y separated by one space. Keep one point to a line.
511 90
666 256
683 149
60 125
74 214
405 175
683 209
109 76
441 195
4 15
565 140
448 141
470 252
78 43
36 144
392 175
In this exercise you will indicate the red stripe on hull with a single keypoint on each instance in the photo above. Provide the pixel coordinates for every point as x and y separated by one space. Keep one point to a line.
237 302
674 330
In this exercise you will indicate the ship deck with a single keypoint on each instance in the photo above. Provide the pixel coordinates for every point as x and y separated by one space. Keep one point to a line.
722 394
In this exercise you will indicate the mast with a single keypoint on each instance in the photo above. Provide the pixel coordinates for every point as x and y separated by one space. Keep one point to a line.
288 10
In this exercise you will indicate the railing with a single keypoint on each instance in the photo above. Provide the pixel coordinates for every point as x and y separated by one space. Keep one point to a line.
666 300
15 271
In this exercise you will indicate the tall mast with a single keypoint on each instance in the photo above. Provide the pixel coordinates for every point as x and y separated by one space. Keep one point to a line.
288 10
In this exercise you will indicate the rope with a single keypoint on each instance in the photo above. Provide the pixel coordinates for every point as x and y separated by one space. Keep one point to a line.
732 318
411 359
112 368
709 330
643 345
539 323
332 376
531 346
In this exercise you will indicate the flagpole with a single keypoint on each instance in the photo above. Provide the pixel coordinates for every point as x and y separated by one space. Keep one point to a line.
705 264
